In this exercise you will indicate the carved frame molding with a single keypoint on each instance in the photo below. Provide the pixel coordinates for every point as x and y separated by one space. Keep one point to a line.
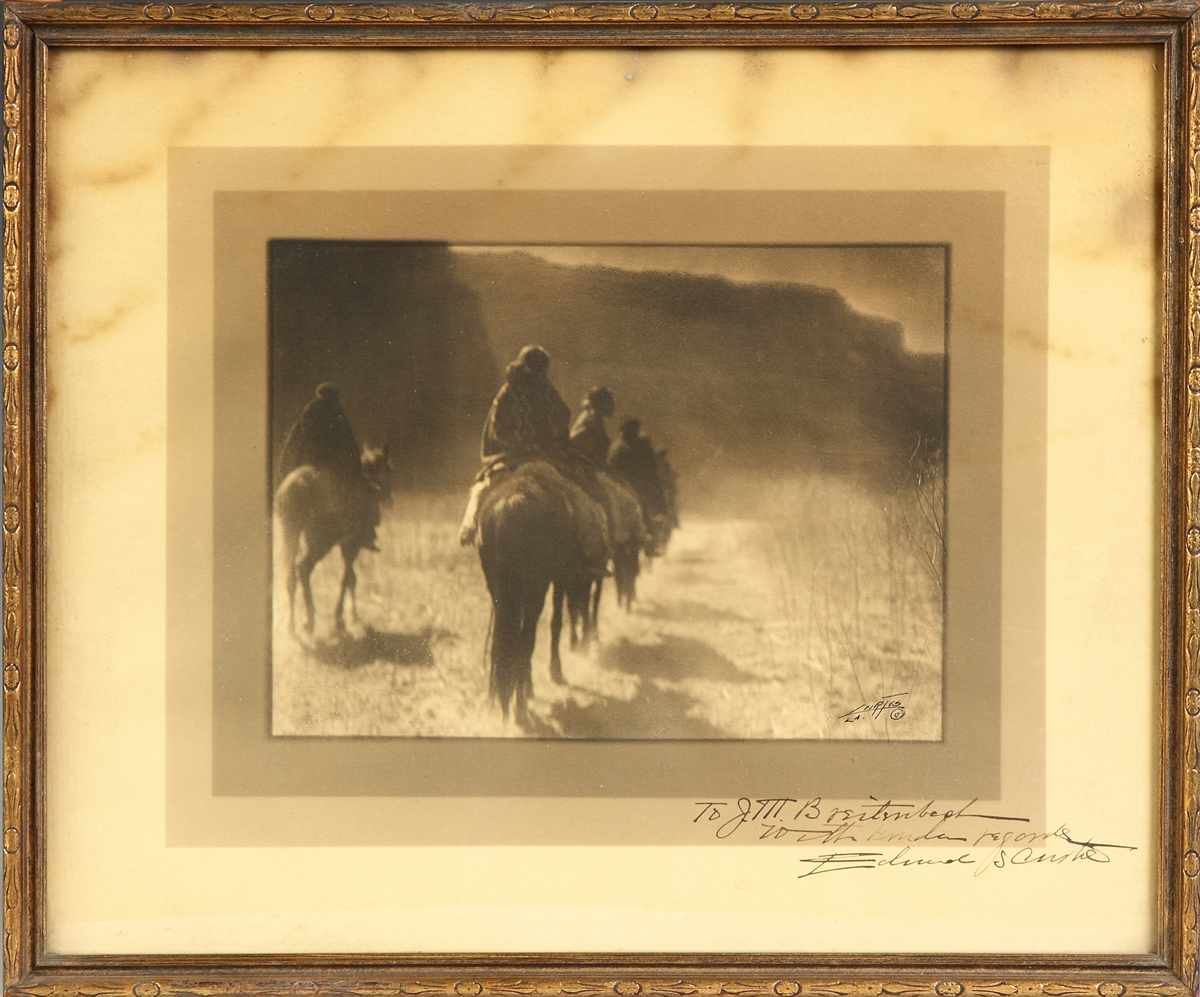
31 28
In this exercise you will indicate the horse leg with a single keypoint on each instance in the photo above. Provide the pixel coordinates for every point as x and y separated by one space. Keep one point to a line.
572 614
635 568
598 587
629 573
556 621
349 582
304 569
290 543
579 603
531 613
292 578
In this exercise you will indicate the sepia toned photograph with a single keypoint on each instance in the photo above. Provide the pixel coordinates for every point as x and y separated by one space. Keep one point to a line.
607 492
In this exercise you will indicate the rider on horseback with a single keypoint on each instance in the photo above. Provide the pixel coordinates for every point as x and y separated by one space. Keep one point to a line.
322 438
589 437
529 421
634 459
528 416
670 487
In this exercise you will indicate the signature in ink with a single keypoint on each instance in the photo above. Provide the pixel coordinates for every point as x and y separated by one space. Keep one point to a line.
892 705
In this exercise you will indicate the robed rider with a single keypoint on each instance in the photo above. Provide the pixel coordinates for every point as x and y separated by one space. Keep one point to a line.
323 438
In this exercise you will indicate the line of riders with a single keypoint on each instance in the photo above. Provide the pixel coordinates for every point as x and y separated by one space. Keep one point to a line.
603 502
529 421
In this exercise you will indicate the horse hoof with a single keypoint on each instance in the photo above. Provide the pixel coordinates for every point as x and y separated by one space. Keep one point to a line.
556 676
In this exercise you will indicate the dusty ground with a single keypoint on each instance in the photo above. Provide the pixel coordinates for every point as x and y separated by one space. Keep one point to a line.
745 629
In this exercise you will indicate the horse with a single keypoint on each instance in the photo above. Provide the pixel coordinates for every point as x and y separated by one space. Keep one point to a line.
630 538
670 492
536 528
317 510
627 537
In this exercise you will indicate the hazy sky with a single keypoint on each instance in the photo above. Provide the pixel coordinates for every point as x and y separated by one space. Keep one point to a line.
904 283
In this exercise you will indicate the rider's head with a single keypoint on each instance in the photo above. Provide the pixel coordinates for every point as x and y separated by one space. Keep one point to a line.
534 359
327 392
601 401
630 429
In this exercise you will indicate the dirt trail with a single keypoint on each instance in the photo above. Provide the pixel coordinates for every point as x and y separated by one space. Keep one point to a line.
708 651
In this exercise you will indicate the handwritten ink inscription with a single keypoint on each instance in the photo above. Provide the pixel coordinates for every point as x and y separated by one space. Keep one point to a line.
881 835
892 706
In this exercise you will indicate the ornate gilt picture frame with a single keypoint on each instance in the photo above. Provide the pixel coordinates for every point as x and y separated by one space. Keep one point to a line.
33 31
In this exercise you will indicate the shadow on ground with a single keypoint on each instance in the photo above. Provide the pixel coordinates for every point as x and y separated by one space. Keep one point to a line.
689 611
672 659
691 557
352 650
653 712
682 577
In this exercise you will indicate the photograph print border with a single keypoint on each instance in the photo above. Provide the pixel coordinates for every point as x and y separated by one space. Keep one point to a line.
436 470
